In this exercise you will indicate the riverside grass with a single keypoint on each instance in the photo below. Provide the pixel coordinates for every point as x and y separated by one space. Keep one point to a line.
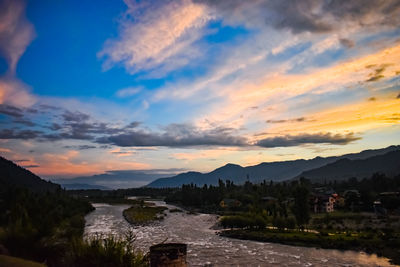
142 214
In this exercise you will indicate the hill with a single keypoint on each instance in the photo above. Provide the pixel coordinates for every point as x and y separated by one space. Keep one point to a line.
111 180
342 169
276 171
12 175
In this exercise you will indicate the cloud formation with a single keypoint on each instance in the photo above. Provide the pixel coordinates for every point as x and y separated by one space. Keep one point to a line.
300 119
11 111
177 135
156 34
18 134
310 15
16 32
317 138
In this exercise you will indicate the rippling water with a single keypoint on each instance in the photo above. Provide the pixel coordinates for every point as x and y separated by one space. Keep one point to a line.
207 248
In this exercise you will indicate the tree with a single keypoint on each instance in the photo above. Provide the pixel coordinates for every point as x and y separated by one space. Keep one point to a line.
301 209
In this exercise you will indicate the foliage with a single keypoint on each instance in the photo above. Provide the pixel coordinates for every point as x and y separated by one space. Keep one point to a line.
106 251
301 209
39 226
17 262
141 214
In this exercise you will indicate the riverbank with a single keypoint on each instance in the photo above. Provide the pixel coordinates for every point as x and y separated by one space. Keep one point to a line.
143 214
385 245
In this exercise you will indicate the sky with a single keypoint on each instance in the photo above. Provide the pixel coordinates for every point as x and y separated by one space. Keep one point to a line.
89 87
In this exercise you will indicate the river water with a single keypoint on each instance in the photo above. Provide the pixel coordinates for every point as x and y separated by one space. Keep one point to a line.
205 248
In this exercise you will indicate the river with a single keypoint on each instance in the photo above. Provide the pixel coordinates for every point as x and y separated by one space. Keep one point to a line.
205 248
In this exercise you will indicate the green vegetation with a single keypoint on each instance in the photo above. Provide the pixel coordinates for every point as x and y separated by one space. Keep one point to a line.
39 226
6 261
106 251
142 214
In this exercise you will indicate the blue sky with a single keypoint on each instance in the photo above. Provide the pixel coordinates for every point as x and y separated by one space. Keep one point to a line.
144 85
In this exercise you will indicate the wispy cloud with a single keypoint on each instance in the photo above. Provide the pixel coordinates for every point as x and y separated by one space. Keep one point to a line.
16 33
308 15
156 35
127 92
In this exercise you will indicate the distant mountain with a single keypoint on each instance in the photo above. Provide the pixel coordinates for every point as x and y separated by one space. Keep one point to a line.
343 169
83 186
276 171
13 175
115 179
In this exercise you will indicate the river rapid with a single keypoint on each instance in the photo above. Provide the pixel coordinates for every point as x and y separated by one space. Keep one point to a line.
205 248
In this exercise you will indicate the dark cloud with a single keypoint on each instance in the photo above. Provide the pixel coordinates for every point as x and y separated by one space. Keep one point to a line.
372 99
300 119
310 15
319 138
21 160
378 72
133 124
176 135
11 111
75 116
18 134
81 147
375 78
30 166
55 127
25 122
347 42
44 106
398 96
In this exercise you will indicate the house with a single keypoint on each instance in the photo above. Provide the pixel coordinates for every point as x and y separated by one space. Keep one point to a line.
323 203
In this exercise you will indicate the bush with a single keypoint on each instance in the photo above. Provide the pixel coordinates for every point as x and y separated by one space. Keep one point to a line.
106 251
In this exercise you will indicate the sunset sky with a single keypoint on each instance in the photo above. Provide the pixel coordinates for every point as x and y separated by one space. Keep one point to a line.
88 87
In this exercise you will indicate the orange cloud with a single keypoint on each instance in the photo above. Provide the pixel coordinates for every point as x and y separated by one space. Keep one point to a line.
69 165
355 117
279 87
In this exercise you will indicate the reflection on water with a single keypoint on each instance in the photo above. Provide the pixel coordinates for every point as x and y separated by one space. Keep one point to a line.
207 248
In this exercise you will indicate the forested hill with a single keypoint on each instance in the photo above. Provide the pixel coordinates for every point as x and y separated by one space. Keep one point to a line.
12 175
276 171
342 169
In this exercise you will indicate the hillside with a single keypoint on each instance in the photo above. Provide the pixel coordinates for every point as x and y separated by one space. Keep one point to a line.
13 175
342 169
276 171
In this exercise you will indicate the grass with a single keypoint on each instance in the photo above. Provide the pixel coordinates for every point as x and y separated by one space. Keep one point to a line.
8 261
139 215
107 251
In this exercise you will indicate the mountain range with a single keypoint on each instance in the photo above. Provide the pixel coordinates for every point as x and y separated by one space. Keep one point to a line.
319 169
346 166
12 175
115 179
